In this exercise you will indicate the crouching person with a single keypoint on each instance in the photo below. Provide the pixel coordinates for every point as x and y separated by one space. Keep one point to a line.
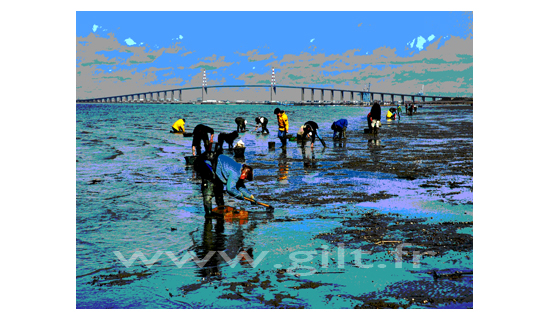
339 127
217 172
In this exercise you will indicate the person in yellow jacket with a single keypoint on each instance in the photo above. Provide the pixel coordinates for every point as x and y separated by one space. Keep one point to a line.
391 114
178 126
282 119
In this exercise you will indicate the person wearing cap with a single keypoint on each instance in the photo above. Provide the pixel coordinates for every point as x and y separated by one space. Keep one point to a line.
241 124
200 133
262 121
218 171
178 126
375 114
339 127
282 120
313 128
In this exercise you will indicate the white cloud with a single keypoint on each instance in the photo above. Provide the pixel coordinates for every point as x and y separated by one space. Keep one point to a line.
181 37
412 43
420 42
430 38
129 41
311 40
94 28
253 67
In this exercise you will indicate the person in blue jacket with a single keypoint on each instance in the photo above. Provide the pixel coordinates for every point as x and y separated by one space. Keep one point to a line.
339 127
218 171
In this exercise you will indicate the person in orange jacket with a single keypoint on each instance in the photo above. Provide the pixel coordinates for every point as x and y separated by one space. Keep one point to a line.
283 125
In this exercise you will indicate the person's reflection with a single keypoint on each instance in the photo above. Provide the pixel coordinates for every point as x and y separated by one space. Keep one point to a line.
374 148
308 155
211 242
214 241
235 245
340 143
282 175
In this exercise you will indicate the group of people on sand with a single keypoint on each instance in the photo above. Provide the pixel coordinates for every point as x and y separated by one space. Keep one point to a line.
218 170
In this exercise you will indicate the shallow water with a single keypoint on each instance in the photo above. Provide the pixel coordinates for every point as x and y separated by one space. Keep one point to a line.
135 194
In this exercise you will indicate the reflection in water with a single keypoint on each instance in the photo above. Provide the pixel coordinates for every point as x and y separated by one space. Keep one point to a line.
211 242
282 175
308 156
215 241
341 146
340 143
374 148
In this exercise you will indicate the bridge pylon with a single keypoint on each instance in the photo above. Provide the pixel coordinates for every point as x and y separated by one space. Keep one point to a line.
272 90
204 92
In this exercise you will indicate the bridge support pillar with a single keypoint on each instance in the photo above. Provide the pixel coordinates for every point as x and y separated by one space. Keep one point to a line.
322 95
342 96
351 93
423 99
312 95
392 99
332 95
302 96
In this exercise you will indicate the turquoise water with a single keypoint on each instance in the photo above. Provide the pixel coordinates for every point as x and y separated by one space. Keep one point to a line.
135 194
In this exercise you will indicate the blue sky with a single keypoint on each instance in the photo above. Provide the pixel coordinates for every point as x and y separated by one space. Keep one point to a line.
169 49
289 32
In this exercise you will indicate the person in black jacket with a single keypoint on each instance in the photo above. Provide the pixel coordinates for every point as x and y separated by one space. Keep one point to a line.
200 133
241 124
375 114
262 121
313 128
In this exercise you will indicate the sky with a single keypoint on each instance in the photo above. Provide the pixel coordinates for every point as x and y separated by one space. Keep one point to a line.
121 53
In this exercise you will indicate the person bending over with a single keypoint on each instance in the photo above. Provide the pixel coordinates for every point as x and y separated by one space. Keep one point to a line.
219 171
313 128
178 126
339 127
200 133
262 121
241 124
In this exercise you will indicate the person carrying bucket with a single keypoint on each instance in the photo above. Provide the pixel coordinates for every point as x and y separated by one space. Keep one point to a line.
282 119
241 124
218 171
312 128
262 121
339 127
178 126
200 133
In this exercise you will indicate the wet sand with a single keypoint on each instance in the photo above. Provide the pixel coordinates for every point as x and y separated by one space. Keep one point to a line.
409 189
